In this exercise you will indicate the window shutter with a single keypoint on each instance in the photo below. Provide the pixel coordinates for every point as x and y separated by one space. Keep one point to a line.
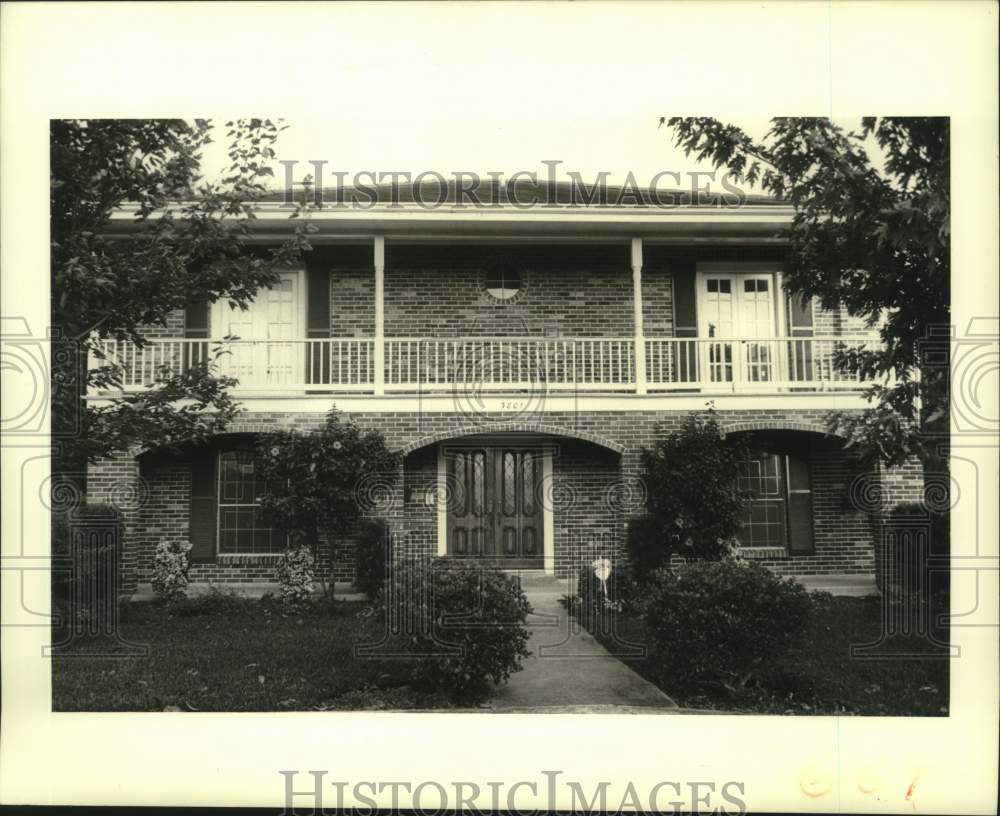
800 325
196 319
318 320
800 316
317 325
195 326
800 514
685 318
203 505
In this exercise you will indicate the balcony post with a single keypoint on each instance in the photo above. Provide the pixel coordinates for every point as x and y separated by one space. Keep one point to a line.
379 351
639 338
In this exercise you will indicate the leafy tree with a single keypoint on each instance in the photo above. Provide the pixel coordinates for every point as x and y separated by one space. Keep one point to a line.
322 481
694 509
190 241
871 232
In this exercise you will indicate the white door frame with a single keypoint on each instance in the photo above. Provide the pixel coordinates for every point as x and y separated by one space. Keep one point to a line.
738 272
259 354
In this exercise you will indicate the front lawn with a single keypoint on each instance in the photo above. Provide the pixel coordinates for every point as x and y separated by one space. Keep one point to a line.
820 677
228 654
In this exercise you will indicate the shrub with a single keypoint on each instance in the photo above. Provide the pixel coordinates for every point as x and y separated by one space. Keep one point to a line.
322 481
919 542
372 556
694 508
296 574
170 569
467 623
720 622
86 549
644 538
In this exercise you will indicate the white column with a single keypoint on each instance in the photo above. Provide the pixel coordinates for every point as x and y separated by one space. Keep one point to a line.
639 336
379 314
781 331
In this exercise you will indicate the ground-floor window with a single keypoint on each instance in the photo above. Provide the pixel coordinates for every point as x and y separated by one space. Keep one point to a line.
241 530
779 513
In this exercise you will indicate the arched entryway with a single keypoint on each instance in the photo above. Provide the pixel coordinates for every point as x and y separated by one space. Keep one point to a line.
520 500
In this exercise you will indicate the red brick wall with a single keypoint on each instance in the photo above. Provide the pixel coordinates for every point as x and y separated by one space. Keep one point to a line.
117 482
836 321
173 326
657 302
587 518
573 290
352 303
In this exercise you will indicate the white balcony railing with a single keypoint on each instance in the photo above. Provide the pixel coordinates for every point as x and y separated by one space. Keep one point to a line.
344 364
510 363
767 365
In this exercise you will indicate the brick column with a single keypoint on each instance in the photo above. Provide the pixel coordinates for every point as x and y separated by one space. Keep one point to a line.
117 482
900 485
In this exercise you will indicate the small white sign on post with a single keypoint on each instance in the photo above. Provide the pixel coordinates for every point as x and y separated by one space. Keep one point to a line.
602 570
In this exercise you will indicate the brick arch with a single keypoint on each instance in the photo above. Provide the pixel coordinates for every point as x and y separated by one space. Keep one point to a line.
778 425
511 427
236 429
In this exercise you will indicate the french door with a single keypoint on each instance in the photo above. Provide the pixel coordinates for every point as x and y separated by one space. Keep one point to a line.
494 510
269 353
737 312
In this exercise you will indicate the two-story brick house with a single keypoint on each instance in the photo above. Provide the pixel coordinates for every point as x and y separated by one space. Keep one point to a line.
519 358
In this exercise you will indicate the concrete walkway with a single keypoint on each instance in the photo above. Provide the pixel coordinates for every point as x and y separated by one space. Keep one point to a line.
570 672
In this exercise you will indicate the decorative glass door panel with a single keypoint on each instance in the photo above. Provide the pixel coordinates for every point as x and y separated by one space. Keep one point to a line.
281 325
266 353
737 308
757 320
719 322
493 508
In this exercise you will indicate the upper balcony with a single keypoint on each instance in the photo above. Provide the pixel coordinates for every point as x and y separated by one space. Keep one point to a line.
505 315
500 364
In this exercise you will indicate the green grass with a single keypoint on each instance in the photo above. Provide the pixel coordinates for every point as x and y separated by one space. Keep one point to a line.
820 677
226 654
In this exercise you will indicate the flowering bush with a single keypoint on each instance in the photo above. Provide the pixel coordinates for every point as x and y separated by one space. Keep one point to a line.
720 622
296 573
317 484
694 510
170 569
465 624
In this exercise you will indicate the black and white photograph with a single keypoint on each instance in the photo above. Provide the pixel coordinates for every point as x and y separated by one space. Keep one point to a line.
396 426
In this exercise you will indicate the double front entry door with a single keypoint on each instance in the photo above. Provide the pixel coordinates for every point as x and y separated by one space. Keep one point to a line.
494 505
